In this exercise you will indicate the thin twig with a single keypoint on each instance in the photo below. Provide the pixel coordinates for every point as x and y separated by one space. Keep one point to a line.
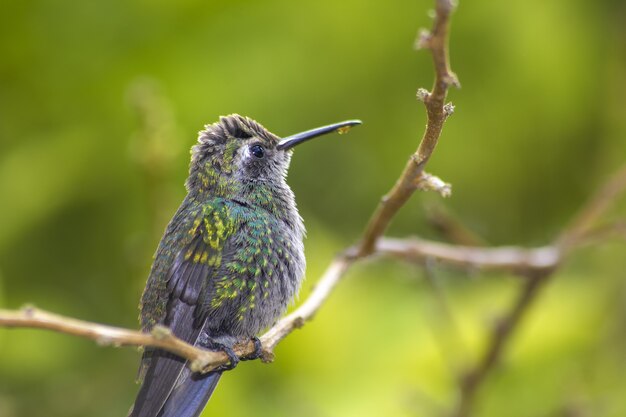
413 176
591 212
161 337
520 261
616 229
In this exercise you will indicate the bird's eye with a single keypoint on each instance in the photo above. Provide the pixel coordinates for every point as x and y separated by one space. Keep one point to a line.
257 151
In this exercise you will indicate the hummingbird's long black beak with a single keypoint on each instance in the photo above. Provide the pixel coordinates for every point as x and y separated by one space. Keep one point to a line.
293 140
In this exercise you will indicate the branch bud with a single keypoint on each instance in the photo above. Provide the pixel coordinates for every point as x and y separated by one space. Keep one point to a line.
450 79
423 39
429 182
422 94
448 109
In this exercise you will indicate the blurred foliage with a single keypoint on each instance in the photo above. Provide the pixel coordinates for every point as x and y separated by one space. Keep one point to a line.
100 101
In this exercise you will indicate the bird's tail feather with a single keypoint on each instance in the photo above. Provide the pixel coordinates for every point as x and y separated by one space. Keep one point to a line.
190 395
170 389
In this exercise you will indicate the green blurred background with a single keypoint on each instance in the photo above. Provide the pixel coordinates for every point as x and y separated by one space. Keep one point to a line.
101 100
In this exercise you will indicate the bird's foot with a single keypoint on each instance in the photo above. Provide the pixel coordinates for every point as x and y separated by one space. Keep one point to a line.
258 350
233 359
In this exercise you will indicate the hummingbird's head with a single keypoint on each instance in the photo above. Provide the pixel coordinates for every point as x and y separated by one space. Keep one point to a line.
237 151
234 150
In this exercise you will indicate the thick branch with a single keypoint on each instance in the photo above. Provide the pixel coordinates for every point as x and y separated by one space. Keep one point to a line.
411 177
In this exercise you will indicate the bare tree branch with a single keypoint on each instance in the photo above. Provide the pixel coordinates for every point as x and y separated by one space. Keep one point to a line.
509 258
413 176
161 337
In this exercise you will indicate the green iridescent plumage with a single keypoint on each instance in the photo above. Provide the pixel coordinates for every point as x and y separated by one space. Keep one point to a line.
230 260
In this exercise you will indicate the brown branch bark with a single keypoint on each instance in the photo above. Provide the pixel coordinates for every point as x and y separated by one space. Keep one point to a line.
413 176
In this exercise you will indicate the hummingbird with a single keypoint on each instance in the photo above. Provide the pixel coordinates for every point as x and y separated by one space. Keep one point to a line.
230 262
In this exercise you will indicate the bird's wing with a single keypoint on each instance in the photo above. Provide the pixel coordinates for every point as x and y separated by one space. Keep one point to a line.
203 237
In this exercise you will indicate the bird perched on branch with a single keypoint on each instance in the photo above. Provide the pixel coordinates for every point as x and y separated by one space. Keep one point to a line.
229 263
